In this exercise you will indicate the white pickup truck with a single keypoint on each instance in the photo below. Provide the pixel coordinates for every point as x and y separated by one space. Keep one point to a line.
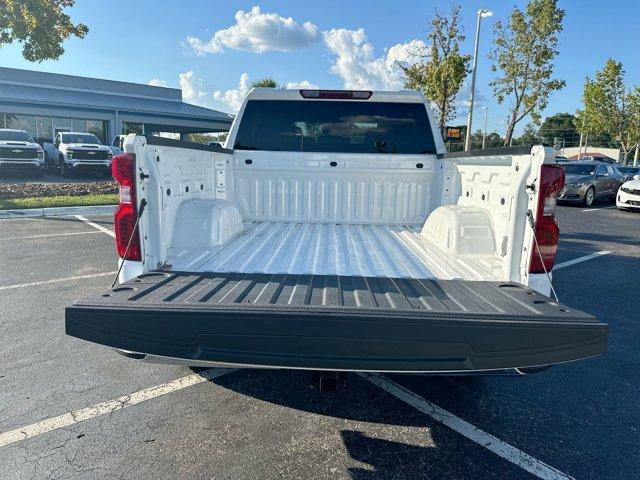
75 151
333 233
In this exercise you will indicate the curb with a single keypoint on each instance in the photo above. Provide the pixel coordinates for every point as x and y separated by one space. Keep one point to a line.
58 211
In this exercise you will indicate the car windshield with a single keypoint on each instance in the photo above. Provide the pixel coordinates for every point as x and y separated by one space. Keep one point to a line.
80 138
629 170
579 169
13 136
335 126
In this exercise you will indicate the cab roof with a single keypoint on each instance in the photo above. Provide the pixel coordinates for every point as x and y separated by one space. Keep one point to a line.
401 96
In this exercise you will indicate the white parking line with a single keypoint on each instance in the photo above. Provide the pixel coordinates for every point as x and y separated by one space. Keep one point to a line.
486 440
596 209
109 406
56 280
568 263
49 235
95 225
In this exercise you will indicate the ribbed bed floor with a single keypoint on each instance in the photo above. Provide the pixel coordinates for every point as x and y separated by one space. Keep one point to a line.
336 249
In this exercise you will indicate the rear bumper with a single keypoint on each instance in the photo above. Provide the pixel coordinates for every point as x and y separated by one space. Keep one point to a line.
335 337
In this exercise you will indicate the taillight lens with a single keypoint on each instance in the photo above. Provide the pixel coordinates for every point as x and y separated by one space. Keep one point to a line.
547 230
123 169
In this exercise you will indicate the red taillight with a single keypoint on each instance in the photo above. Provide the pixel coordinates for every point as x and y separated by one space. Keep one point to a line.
337 94
123 169
547 230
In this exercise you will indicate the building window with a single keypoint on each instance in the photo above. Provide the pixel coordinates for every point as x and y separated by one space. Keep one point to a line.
98 128
61 125
130 127
22 122
44 130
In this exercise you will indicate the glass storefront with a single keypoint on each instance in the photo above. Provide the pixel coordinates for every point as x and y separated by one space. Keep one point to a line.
98 128
22 122
61 125
44 129
130 127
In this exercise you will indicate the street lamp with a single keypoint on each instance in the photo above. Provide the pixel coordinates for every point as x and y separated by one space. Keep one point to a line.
481 14
484 135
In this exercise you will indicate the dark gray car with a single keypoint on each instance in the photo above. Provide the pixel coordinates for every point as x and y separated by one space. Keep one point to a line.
586 182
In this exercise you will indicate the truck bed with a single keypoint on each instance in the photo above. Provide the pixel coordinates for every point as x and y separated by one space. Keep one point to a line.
336 249
336 322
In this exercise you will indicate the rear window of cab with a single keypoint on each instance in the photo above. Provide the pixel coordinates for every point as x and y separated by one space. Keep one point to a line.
335 126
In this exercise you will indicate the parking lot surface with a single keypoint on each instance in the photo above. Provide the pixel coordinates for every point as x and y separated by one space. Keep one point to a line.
72 409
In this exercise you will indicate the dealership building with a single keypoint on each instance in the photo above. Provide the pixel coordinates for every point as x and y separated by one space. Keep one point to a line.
47 103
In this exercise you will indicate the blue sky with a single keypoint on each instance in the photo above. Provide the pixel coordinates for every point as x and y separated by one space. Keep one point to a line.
331 44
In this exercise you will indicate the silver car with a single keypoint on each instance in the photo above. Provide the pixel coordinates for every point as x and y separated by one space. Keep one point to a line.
586 182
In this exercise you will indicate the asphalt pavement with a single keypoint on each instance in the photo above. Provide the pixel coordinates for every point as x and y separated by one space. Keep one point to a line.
72 409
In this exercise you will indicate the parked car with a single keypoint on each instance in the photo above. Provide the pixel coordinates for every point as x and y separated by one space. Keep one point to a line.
336 235
629 194
19 151
587 182
598 158
73 151
629 172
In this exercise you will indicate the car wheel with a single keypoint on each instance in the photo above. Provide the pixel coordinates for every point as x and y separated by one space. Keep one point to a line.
589 197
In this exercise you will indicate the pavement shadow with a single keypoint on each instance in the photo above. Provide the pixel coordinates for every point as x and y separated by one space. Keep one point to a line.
391 439
359 400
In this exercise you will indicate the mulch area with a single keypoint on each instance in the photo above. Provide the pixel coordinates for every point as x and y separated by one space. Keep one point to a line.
28 190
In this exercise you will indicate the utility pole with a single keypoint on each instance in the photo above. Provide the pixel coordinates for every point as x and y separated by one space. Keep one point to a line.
481 13
484 135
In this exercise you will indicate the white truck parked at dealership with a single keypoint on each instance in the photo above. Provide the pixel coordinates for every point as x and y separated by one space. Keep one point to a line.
333 233
19 150
74 151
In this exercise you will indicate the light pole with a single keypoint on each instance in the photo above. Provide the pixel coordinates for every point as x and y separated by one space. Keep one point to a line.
484 136
481 13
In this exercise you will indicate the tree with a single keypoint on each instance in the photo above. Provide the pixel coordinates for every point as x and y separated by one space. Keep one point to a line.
529 136
560 127
40 25
206 138
610 108
441 71
265 82
523 54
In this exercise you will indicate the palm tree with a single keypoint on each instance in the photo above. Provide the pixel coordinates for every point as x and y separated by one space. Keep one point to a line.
265 82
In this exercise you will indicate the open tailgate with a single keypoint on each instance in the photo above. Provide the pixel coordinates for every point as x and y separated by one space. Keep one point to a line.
330 322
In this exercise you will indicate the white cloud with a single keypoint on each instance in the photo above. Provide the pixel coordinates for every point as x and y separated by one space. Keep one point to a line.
303 84
258 32
193 90
233 98
156 82
357 65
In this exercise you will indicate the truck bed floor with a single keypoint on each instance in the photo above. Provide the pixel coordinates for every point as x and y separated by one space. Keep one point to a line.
336 249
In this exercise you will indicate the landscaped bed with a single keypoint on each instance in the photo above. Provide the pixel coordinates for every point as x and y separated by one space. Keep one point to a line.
59 201
40 195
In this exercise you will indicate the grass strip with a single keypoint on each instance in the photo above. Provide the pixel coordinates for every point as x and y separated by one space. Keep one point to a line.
59 201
